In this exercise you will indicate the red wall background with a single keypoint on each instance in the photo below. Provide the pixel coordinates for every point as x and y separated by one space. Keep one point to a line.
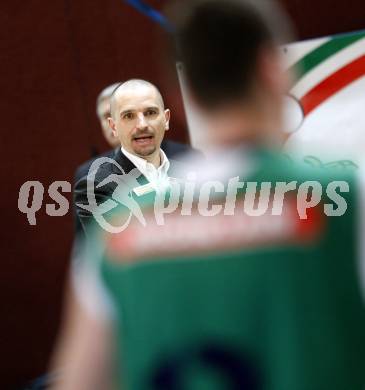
55 58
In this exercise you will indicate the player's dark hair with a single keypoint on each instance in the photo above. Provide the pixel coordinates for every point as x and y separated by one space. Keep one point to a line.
218 43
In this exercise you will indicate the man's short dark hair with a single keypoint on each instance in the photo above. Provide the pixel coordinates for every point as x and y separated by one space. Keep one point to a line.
218 43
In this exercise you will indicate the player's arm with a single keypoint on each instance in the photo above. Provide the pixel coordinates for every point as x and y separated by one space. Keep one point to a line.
82 355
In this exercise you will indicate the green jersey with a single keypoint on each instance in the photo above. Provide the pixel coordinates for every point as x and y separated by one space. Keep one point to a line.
239 300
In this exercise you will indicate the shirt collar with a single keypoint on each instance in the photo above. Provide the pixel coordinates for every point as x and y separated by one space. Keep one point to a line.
144 166
165 163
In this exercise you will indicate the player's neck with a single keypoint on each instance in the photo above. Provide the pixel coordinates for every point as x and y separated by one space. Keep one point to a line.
245 126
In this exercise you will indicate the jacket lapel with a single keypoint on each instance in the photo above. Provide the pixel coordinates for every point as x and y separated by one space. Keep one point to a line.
175 170
127 166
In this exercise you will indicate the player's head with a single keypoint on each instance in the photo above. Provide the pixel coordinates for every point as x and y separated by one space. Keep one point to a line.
138 117
103 113
230 57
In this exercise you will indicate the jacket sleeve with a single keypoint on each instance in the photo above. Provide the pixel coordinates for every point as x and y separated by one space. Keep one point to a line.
83 191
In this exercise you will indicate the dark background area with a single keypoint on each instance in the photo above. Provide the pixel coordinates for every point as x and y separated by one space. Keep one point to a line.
56 56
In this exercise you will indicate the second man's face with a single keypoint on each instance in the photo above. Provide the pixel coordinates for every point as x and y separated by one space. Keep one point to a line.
140 121
103 115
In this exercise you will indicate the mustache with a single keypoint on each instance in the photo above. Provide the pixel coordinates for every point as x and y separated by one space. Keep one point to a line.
143 133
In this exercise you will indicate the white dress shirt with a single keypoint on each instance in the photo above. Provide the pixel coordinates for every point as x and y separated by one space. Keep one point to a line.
157 177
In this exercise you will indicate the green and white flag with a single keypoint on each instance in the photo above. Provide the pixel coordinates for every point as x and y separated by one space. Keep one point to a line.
329 88
325 105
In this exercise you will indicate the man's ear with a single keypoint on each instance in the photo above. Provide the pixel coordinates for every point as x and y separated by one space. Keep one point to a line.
112 126
167 118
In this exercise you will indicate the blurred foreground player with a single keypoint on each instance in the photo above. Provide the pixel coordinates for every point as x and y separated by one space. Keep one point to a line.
228 297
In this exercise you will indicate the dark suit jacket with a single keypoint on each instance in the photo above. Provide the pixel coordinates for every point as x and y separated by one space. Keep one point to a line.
83 169
172 149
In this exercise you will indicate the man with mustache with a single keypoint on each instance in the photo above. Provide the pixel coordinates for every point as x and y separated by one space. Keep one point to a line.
171 148
138 121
